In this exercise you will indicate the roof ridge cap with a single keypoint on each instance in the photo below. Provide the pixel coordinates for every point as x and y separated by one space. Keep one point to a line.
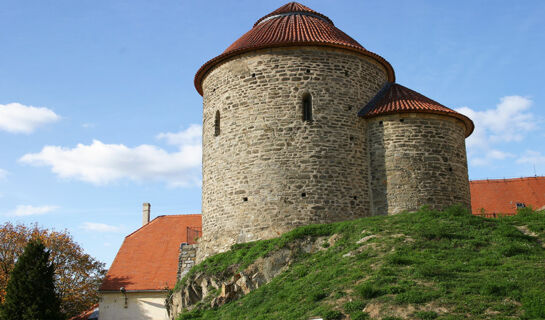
302 9
180 215
161 216
373 102
293 13
506 179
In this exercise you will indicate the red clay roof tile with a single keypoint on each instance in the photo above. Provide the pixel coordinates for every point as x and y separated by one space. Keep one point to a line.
86 314
395 98
291 25
502 195
293 7
148 258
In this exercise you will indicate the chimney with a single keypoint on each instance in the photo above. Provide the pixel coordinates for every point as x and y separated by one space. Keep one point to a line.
146 209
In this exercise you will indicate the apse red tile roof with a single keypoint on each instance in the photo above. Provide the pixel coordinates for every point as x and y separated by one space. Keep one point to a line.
502 195
148 258
291 25
395 98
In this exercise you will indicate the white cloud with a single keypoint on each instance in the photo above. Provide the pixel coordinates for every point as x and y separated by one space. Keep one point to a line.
3 174
99 227
532 157
509 121
191 135
18 118
100 163
489 156
28 210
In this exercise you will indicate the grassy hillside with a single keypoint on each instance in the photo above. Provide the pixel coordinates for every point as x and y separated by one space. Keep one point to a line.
422 265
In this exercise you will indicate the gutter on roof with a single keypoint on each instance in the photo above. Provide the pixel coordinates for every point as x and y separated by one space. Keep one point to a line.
132 291
507 179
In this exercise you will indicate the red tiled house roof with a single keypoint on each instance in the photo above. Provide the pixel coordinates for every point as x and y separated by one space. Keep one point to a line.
502 195
86 314
148 258
395 98
292 24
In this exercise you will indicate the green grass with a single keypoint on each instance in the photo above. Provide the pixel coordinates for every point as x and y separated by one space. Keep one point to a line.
473 267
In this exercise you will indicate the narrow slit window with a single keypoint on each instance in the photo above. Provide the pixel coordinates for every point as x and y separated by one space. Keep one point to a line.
307 107
217 124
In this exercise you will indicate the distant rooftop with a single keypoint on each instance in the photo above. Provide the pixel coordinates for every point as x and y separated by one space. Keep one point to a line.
91 314
148 258
503 196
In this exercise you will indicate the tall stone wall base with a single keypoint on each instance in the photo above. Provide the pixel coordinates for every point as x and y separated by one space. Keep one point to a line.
186 260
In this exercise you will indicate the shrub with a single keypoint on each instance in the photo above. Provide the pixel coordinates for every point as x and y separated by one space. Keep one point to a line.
395 289
317 296
534 304
368 291
425 315
415 296
354 306
190 316
333 315
435 270
499 288
514 249
360 315
400 258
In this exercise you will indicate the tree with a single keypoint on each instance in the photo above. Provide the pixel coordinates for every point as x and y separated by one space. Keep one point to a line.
30 293
77 275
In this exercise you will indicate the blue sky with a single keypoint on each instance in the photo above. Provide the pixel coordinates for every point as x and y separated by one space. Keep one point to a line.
98 112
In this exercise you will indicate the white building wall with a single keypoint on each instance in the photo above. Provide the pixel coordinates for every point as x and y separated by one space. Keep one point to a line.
140 306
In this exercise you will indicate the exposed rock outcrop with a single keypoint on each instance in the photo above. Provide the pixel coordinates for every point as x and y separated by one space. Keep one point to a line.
216 290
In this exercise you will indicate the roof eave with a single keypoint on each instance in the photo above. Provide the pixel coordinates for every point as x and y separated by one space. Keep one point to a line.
134 291
210 64
468 124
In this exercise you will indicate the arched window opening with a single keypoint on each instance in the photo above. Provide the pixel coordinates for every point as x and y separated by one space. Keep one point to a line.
307 107
217 124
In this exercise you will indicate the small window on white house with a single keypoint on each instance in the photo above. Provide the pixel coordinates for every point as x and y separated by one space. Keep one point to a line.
307 107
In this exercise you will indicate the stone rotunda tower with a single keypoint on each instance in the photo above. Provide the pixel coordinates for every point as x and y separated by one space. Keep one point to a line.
302 125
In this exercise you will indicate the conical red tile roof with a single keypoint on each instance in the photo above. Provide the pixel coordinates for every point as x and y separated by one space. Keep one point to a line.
291 25
395 98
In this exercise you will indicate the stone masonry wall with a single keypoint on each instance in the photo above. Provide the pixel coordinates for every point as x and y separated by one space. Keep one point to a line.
417 159
186 259
269 171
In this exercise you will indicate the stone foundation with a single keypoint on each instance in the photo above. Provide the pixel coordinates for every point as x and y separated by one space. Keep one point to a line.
186 260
